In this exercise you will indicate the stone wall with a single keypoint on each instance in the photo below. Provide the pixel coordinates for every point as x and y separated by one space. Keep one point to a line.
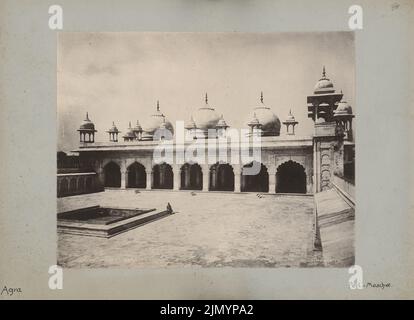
69 184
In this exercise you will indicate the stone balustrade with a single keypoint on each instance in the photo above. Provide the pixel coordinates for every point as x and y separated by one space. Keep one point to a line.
69 184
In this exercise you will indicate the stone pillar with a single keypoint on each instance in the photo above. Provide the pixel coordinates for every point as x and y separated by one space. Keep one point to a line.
213 177
272 181
206 174
237 178
149 179
187 180
177 178
124 174
101 176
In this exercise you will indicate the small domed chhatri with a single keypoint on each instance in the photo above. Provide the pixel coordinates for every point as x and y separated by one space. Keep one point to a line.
113 133
154 122
290 122
129 136
87 124
324 85
137 131
87 130
270 123
343 108
343 118
206 117
222 123
113 129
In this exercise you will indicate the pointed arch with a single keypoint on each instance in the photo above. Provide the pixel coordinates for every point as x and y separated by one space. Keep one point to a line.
137 175
255 183
191 177
290 178
221 177
112 175
162 176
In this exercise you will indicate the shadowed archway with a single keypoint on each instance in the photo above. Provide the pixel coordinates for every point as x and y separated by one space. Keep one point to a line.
137 177
162 176
112 174
290 178
255 183
191 177
221 177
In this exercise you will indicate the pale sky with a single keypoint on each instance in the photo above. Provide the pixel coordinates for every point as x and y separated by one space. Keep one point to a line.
120 76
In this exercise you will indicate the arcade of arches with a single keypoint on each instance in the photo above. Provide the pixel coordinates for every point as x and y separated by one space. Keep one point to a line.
290 177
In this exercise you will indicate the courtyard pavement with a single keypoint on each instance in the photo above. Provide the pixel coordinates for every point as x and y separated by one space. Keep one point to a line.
208 230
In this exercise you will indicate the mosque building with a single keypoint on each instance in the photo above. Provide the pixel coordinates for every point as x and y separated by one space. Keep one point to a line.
289 163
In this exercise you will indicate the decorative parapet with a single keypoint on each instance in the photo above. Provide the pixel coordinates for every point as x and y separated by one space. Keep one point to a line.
345 188
69 184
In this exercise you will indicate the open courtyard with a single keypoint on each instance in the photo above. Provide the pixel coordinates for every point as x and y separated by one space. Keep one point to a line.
208 229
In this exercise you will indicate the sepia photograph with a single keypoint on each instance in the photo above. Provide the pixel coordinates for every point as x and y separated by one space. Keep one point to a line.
206 157
206 149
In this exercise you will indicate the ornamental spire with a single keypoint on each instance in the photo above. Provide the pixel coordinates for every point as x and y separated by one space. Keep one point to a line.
158 105
87 116
261 96
323 72
206 98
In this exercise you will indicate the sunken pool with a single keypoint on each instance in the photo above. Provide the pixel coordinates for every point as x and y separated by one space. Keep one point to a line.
106 222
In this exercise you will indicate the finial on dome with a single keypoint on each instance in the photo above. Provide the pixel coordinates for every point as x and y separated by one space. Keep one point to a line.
113 123
206 98
261 97
130 125
323 72
87 116
158 105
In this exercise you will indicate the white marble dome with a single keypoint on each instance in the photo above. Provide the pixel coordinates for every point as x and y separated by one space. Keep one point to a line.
206 117
270 123
155 121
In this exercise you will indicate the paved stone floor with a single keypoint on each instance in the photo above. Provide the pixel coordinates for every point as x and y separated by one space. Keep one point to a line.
208 230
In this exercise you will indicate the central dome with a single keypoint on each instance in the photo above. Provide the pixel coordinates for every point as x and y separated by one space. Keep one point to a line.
269 121
155 121
206 117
